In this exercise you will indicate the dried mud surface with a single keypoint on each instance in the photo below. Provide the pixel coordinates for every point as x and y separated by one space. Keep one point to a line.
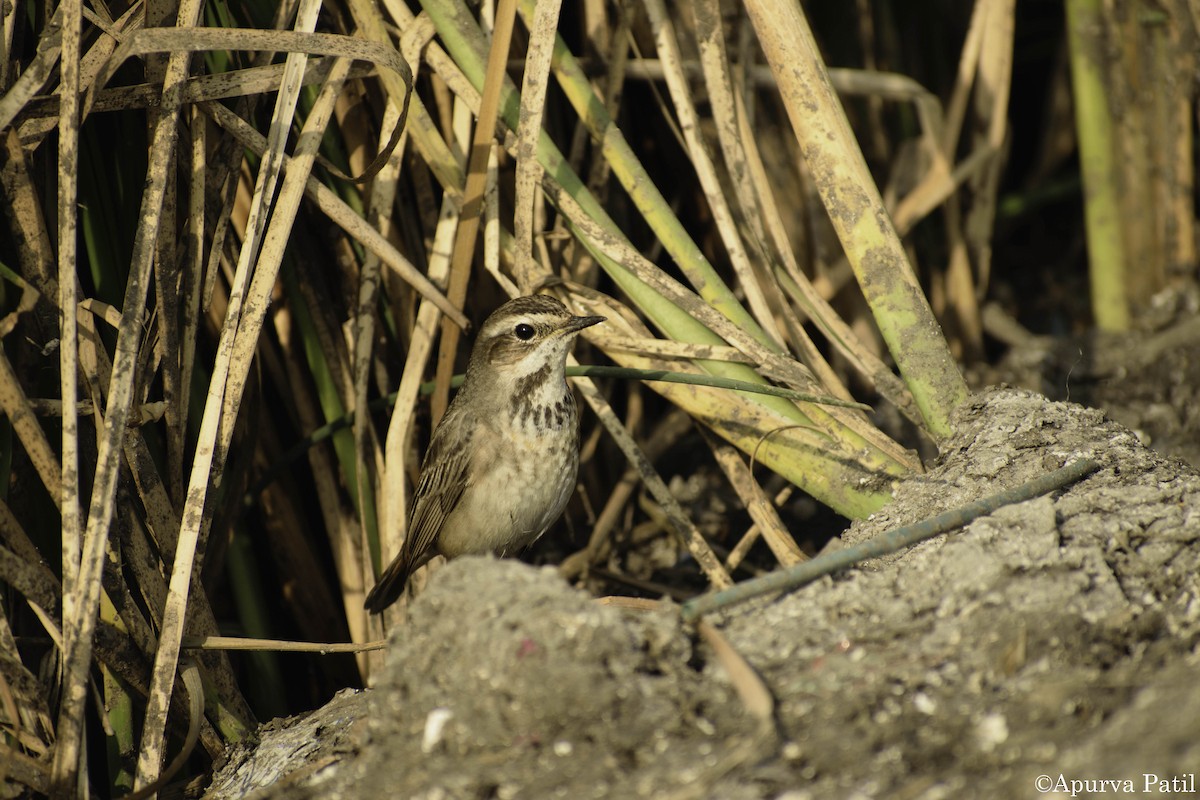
1056 638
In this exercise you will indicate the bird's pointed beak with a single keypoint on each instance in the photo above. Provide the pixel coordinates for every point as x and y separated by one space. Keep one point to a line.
576 324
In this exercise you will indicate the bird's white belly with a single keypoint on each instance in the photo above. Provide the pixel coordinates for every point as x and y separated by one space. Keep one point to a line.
512 501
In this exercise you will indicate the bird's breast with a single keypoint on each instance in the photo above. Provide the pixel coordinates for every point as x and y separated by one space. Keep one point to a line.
548 412
513 496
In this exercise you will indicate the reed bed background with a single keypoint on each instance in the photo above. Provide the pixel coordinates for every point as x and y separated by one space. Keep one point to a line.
272 222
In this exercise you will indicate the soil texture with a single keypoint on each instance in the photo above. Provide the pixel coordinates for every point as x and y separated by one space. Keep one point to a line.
1047 645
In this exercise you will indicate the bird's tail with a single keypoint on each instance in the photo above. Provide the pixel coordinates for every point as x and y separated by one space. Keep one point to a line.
391 583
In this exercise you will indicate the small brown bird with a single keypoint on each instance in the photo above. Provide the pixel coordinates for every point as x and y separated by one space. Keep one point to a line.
502 462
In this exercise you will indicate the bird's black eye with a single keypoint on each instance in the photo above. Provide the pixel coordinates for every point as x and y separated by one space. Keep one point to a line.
524 332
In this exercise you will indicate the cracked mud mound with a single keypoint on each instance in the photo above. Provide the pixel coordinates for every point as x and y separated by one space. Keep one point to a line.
506 682
542 689
1055 638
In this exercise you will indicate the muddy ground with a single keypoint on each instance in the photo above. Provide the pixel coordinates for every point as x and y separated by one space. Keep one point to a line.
1052 642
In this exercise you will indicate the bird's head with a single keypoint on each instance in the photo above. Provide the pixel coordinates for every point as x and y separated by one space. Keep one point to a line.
525 337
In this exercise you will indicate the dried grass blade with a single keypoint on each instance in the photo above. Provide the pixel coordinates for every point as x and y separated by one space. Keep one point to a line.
719 205
239 339
939 185
24 421
683 527
751 187
193 280
968 62
30 579
393 527
36 74
25 770
434 151
493 232
646 196
856 210
31 239
369 456
756 502
993 89
750 687
542 32
231 712
80 628
343 216
612 250
68 351
845 476
23 702
248 82
806 297
277 645
674 308
669 348
468 224
181 40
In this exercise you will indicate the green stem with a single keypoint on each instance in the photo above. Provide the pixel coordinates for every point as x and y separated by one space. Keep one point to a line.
1094 127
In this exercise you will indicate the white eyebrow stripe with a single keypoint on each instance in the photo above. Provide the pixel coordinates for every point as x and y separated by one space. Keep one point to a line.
502 326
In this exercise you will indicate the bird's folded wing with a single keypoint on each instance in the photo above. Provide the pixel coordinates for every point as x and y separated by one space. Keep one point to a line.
444 477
